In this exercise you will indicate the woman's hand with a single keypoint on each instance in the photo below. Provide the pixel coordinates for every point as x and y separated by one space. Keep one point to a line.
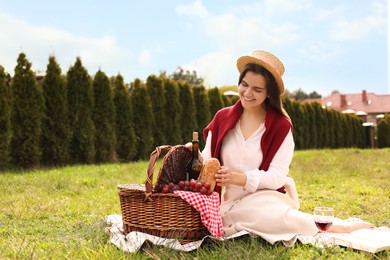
226 176
223 176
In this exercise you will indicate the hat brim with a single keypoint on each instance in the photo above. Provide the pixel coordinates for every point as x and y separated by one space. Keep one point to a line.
244 60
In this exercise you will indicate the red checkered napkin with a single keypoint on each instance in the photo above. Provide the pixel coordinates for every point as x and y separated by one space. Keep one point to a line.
208 207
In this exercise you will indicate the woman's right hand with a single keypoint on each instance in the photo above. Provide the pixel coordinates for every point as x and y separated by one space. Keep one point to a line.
226 176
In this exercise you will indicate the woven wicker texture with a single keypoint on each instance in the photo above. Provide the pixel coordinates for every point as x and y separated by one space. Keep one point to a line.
174 166
160 214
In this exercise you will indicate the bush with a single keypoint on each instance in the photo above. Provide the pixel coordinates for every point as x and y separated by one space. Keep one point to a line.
383 133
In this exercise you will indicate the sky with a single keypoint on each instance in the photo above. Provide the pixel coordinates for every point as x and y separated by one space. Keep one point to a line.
324 45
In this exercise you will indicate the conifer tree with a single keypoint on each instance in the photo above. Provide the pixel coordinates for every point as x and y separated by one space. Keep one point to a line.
216 102
5 119
339 133
226 101
298 125
320 124
173 111
203 115
335 127
26 115
124 127
288 107
55 127
103 118
332 128
325 125
349 130
155 87
80 107
188 121
383 132
312 136
359 132
143 120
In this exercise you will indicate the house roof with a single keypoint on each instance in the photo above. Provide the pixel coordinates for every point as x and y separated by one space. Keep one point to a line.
364 102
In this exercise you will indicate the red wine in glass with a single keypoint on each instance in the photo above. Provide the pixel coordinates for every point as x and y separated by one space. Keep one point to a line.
323 218
323 225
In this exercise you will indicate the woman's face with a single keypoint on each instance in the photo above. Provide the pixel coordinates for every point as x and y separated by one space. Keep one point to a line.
252 90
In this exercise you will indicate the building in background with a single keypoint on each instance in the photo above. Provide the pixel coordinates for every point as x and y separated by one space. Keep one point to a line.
370 107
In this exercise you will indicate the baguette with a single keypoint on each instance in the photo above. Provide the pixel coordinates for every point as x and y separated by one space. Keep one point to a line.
209 169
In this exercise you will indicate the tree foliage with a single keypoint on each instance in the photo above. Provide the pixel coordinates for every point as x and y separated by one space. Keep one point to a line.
384 132
216 101
156 91
26 115
88 121
5 119
300 94
55 128
203 116
173 111
191 77
125 145
143 119
103 118
188 120
81 101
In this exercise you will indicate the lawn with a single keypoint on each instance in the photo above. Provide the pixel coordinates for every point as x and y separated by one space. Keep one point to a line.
59 213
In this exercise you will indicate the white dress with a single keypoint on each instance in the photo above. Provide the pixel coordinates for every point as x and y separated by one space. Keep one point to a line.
257 207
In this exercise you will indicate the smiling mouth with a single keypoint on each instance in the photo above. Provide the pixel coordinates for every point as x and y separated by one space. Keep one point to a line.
248 99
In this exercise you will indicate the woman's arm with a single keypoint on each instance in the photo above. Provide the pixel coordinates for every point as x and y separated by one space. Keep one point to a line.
273 178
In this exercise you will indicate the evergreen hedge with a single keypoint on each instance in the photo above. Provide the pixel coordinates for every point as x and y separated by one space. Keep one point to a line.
26 115
125 144
5 119
174 112
188 120
81 101
156 92
103 118
384 132
87 120
143 120
55 128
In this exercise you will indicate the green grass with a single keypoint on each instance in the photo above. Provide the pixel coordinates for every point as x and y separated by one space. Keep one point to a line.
59 213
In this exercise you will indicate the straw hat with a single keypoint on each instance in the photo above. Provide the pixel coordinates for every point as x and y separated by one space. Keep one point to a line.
268 61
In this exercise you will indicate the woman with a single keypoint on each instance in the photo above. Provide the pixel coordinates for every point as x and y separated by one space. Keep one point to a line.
253 141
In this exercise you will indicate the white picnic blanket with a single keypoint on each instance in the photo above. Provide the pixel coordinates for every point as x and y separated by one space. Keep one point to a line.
133 241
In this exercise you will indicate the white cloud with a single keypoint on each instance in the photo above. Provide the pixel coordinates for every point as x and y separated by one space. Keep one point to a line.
216 68
344 29
237 32
196 9
320 52
38 43
144 57
287 6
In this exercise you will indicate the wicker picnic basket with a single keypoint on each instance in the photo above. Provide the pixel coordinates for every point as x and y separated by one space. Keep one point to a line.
160 214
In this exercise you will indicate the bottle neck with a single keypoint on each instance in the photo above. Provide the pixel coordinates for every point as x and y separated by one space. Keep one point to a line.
195 149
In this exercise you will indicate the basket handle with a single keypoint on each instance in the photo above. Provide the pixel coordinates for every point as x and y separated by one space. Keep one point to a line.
152 163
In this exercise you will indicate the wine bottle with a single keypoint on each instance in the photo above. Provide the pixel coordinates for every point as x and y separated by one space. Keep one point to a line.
196 165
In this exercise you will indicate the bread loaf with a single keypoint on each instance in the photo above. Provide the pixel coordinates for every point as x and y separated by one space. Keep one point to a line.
209 169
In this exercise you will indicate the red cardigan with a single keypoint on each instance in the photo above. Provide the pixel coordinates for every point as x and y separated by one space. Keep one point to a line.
277 127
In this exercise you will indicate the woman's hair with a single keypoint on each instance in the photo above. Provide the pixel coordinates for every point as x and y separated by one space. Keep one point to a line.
273 92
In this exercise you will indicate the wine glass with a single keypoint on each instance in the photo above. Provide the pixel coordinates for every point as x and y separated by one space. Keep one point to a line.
323 218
